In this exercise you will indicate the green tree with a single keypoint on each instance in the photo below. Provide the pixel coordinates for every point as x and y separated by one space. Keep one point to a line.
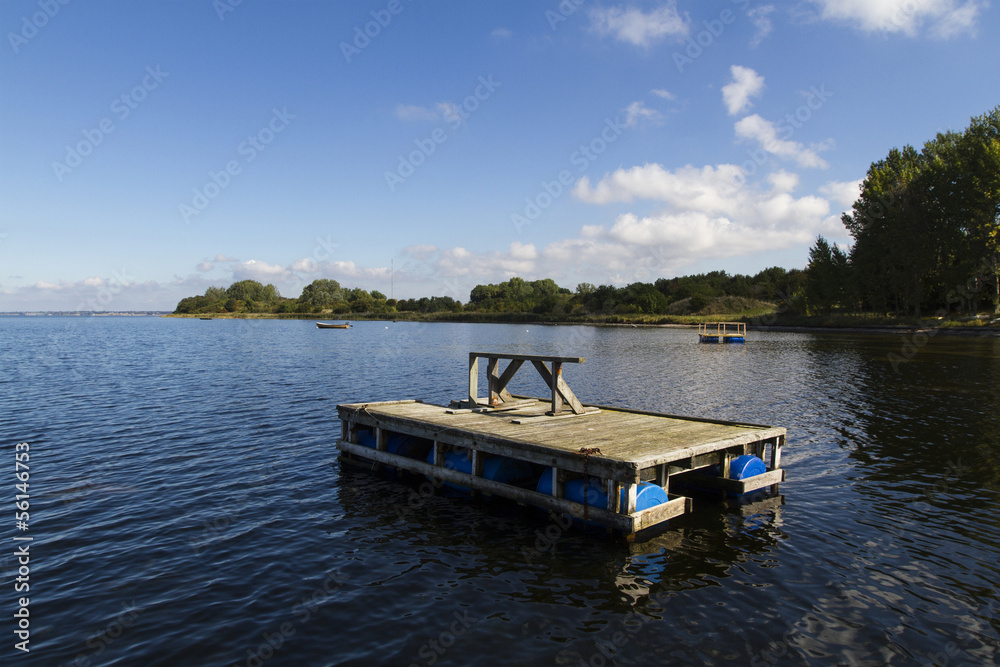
322 293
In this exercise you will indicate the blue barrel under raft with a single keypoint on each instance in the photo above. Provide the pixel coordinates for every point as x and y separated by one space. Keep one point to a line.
746 466
590 491
409 446
496 468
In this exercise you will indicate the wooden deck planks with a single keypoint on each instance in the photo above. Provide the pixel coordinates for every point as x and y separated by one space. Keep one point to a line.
624 436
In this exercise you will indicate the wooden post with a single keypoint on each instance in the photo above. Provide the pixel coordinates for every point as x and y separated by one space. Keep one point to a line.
557 483
725 458
557 402
493 380
661 475
614 491
630 492
473 379
438 453
776 452
477 469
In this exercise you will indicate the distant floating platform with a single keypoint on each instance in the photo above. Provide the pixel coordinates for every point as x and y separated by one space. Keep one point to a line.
722 332
614 467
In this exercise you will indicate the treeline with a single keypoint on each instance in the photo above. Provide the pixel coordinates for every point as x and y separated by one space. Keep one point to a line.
250 296
676 296
320 296
926 232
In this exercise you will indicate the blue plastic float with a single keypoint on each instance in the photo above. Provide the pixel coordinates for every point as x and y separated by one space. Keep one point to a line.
647 494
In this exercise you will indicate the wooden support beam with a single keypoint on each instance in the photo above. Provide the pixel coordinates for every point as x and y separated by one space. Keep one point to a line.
477 468
559 387
506 376
492 378
438 453
473 379
725 459
630 495
776 452
557 403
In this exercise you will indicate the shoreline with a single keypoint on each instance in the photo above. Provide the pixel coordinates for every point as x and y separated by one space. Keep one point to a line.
875 329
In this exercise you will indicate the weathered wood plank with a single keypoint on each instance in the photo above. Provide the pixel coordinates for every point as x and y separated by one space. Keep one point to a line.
530 357
473 397
738 486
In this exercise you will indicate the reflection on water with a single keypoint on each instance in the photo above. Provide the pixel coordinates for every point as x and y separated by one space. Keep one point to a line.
187 483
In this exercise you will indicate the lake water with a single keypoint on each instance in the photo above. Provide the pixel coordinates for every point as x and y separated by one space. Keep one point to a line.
187 505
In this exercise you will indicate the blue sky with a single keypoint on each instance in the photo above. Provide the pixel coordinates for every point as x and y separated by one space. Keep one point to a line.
150 150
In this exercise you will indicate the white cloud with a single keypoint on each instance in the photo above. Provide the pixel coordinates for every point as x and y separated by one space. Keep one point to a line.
940 18
765 133
665 94
746 83
762 24
707 188
118 293
222 258
518 260
415 112
640 28
204 267
783 181
502 33
843 193
718 191
638 111
260 271
305 265
711 213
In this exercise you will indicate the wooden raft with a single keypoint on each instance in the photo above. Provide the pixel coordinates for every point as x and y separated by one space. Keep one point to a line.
631 445
722 332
